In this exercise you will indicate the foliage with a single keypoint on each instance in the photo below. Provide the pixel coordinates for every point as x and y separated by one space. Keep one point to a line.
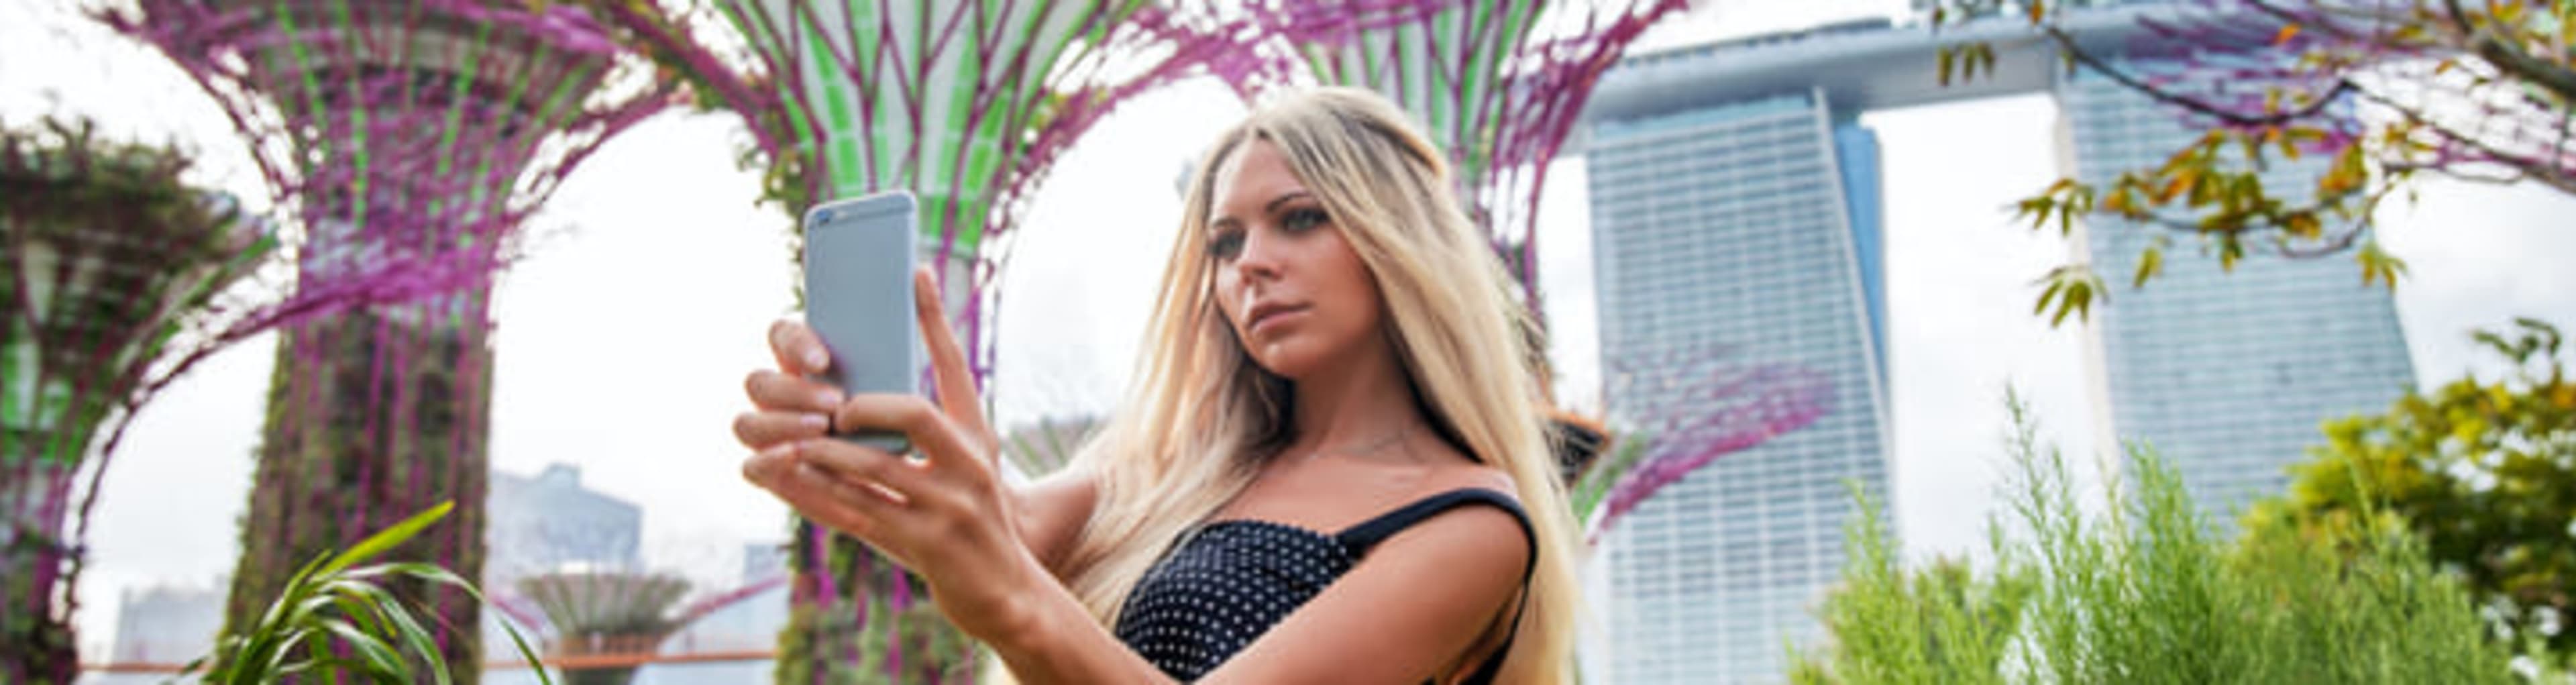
2485 473
1895 625
2144 592
2478 91
338 620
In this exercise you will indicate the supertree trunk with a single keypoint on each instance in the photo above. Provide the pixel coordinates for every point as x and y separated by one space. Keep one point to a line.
967 105
418 133
120 279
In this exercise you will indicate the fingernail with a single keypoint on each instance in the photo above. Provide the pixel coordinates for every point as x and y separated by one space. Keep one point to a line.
828 398
817 360
815 420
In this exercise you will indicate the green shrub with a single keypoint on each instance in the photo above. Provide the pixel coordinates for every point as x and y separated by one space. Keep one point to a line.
2147 591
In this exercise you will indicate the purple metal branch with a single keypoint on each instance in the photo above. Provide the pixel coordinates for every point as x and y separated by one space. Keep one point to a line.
713 603
2233 53
1698 410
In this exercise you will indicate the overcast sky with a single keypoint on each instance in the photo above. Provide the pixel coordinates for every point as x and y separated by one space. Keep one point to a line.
623 339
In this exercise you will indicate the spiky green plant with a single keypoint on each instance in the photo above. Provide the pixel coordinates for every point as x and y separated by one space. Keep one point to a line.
2146 592
336 620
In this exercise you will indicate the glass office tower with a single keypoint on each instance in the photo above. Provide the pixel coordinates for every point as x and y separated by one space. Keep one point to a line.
1747 230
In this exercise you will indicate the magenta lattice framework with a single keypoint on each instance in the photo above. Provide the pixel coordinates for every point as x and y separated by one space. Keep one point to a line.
406 136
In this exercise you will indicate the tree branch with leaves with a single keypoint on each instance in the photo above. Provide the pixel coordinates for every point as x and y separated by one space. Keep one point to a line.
2386 92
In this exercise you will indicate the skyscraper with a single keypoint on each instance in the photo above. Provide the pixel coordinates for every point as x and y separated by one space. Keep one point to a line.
1747 229
2226 374
1735 212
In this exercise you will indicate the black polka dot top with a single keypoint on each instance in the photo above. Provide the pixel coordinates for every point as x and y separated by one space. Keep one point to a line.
1227 582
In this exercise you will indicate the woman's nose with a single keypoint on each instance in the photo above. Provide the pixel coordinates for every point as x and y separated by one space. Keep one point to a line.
1260 255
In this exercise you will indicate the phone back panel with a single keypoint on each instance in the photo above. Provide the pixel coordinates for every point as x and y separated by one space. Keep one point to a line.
858 291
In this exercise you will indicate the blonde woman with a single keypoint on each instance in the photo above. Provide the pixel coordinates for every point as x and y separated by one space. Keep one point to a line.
1330 467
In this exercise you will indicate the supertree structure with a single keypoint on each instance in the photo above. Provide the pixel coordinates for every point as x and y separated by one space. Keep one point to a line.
120 279
1499 85
967 105
419 133
601 624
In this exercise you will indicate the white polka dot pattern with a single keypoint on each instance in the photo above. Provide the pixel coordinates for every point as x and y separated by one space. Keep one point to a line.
1227 582
1222 587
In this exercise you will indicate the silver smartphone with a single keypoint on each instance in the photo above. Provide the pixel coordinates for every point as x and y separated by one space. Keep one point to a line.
858 297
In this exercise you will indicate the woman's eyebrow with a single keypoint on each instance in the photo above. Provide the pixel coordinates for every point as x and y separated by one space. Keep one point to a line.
1273 207
1226 221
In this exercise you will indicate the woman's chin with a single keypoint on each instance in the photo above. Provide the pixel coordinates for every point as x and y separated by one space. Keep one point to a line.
1287 360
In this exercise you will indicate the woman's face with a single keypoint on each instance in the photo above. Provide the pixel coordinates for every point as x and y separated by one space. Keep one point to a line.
1296 294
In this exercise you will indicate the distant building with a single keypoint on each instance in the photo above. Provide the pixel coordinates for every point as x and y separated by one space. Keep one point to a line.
167 625
762 560
550 522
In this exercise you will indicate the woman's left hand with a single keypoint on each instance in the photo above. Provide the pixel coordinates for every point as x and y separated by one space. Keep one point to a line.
943 513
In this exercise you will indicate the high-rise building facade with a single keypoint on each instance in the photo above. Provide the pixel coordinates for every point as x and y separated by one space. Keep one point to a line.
1735 211
167 625
2225 374
1746 230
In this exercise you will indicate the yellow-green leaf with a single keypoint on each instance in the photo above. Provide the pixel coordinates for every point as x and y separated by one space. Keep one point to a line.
2150 263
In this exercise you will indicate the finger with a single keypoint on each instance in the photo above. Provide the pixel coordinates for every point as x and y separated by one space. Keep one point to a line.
818 495
775 391
932 433
863 466
760 430
956 382
798 350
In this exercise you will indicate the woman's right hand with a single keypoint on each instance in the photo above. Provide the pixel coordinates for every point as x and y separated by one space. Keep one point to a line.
789 405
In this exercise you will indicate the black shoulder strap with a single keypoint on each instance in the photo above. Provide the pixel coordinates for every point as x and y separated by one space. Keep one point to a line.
1368 533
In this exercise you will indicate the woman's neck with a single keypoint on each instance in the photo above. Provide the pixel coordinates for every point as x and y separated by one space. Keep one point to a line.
1361 405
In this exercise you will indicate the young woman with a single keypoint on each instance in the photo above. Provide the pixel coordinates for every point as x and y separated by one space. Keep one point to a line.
1329 469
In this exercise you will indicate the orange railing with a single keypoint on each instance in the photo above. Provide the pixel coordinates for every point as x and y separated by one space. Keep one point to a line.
588 659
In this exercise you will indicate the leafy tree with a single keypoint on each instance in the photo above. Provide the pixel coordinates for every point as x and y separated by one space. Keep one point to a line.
2481 91
2484 472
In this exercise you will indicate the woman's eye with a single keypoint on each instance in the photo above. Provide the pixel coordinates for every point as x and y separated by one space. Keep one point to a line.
1299 220
1225 245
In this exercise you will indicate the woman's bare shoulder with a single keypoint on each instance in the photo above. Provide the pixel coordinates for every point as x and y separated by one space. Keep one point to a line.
1052 512
1466 472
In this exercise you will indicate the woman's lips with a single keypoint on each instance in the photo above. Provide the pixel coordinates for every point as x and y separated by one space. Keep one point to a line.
1274 319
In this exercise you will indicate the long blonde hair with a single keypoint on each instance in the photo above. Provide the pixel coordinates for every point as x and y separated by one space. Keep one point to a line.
1201 415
